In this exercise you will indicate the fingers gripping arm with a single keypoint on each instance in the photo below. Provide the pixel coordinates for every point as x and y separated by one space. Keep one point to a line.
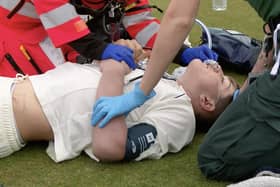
109 142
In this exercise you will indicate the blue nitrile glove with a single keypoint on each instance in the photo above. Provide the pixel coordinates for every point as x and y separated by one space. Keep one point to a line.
119 53
109 107
202 52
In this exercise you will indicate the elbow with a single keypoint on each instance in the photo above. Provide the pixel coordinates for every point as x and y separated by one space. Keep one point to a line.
179 21
182 23
109 149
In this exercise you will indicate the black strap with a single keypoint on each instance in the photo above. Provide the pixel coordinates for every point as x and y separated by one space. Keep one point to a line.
83 10
13 63
144 7
16 9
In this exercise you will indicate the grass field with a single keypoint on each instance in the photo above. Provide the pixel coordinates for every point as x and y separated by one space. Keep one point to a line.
32 167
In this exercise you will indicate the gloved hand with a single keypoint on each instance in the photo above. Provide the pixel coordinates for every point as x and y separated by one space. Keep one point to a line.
119 53
109 107
202 52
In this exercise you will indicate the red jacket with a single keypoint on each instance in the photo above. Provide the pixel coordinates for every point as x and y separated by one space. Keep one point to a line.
140 24
30 27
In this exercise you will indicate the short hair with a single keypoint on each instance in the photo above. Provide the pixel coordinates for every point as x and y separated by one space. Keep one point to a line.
204 123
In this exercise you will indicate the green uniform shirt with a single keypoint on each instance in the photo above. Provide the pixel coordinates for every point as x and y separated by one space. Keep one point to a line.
266 8
246 137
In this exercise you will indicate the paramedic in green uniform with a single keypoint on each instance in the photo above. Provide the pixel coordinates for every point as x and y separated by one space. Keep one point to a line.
246 137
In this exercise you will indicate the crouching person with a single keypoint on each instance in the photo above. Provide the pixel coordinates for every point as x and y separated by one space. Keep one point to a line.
245 139
43 107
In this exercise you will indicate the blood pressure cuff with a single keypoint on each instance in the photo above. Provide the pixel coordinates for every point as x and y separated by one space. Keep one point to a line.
139 138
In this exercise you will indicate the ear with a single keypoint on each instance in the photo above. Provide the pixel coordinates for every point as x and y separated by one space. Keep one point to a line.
206 103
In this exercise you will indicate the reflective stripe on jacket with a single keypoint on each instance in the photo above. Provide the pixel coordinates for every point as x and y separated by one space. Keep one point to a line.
57 18
31 26
140 24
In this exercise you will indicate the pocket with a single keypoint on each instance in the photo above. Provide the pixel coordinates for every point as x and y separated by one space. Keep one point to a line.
12 59
6 69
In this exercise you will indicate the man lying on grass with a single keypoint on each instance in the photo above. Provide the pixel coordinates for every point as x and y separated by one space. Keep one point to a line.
56 107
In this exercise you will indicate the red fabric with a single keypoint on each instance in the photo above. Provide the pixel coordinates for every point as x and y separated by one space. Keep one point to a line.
27 31
151 42
94 4
98 4
133 30
44 6
69 53
141 3
10 44
68 32
31 31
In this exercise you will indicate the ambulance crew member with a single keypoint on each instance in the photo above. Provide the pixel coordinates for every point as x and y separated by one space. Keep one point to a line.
32 32
36 33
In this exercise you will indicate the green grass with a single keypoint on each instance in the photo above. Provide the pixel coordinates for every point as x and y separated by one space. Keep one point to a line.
32 167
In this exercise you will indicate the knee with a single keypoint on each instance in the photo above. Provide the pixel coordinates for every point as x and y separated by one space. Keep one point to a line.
213 162
222 165
209 163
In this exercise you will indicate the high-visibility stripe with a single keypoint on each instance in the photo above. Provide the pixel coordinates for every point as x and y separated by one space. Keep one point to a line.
27 10
68 32
146 33
48 5
151 42
142 26
137 18
9 4
140 4
58 16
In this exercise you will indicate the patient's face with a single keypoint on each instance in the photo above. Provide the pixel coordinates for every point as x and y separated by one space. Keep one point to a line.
208 77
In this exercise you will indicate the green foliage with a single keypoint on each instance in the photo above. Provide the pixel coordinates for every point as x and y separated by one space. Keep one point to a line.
32 167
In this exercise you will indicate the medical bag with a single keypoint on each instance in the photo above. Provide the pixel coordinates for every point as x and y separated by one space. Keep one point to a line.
236 50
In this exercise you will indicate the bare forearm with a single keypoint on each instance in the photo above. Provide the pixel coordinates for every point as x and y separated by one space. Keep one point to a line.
174 28
109 142
111 84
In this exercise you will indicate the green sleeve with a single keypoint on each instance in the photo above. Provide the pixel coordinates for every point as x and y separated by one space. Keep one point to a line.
266 8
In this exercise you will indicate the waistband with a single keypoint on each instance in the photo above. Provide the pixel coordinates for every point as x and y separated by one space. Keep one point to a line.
9 139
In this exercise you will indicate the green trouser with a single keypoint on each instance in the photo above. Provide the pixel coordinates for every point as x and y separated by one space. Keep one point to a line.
266 8
246 137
